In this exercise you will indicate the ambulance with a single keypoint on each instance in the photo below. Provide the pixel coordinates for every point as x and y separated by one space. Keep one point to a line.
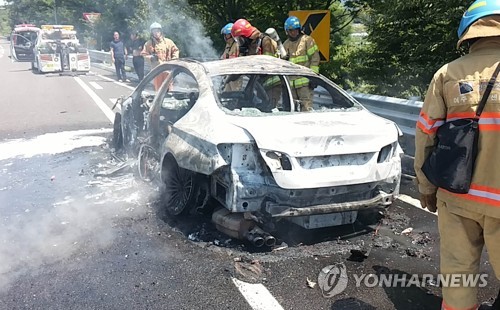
57 49
22 41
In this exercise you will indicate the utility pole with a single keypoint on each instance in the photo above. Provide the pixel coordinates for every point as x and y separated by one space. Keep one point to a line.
56 4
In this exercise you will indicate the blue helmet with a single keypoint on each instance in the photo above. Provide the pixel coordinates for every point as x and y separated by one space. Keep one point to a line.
291 23
226 29
477 10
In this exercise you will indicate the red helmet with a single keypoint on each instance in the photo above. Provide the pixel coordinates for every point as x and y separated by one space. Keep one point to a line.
242 28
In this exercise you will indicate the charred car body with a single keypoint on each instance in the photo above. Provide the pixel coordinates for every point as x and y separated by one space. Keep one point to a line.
231 131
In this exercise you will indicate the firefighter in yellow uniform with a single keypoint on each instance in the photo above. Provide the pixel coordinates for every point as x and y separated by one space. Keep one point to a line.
230 51
159 50
231 48
467 222
302 50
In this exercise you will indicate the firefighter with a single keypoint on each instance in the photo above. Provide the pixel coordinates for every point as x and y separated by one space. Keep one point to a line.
467 222
251 41
231 49
158 50
302 50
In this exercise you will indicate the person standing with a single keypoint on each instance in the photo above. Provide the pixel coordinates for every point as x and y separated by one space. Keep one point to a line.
137 46
118 56
302 50
251 41
158 50
467 222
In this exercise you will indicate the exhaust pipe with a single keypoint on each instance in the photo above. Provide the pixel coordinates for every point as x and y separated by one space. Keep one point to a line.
236 226
232 224
270 241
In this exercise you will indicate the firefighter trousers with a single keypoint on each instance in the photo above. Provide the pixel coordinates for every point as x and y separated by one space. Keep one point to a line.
463 235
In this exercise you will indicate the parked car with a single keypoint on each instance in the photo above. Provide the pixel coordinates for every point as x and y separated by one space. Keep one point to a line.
22 40
232 131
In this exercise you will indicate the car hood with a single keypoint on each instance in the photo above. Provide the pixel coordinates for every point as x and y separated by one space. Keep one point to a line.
317 134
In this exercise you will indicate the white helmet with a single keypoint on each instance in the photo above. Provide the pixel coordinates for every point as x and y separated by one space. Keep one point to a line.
154 26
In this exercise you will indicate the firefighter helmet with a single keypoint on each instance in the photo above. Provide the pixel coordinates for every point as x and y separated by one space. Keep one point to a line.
154 26
477 10
292 23
226 29
242 28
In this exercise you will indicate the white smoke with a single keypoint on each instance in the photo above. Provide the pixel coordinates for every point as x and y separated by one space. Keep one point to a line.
180 25
52 207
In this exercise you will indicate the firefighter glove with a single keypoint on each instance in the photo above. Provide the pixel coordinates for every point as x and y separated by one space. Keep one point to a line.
429 202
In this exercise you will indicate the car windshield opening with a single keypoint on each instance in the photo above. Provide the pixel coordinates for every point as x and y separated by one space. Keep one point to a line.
264 94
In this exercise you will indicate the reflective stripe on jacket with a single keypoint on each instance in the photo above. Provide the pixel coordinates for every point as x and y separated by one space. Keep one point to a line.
303 51
454 93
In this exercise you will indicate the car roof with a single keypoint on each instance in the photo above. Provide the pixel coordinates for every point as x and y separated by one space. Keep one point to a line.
257 64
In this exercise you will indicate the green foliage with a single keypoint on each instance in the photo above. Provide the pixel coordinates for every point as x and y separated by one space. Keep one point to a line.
408 42
4 22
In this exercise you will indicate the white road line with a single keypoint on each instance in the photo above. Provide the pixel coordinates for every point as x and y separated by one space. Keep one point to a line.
257 296
414 202
104 108
116 82
95 85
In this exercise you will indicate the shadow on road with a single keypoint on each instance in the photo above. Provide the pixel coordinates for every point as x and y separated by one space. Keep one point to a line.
351 304
408 296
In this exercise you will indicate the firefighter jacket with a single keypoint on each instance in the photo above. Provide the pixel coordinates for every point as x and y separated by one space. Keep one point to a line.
305 52
231 50
454 93
164 48
262 45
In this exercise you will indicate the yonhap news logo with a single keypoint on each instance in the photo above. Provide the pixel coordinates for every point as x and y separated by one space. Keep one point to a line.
333 280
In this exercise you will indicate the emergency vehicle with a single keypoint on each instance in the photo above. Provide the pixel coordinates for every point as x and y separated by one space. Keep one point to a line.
57 49
22 41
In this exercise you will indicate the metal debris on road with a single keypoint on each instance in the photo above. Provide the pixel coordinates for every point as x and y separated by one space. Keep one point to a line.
310 283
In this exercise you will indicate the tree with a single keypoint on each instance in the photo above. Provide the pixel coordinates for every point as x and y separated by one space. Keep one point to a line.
408 42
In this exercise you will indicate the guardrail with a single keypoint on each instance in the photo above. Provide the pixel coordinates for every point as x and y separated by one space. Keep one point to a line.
105 57
402 112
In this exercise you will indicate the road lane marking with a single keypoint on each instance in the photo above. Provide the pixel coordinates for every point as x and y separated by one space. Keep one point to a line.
116 82
95 85
257 296
98 101
414 202
52 143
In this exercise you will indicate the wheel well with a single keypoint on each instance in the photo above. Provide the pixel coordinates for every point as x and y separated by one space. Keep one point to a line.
168 157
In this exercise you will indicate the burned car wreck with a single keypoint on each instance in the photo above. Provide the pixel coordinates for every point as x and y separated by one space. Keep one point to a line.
232 133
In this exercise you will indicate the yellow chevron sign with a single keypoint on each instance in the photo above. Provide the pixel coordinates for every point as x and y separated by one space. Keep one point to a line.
316 23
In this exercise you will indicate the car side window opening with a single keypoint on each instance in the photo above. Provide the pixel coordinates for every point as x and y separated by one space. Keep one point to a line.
176 97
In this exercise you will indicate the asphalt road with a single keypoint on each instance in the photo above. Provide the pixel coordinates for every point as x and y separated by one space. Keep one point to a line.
70 239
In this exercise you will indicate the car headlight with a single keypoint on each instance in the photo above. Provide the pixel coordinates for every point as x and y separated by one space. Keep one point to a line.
276 160
386 152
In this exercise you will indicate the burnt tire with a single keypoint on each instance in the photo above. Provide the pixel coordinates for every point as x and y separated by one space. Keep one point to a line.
147 163
180 188
117 132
